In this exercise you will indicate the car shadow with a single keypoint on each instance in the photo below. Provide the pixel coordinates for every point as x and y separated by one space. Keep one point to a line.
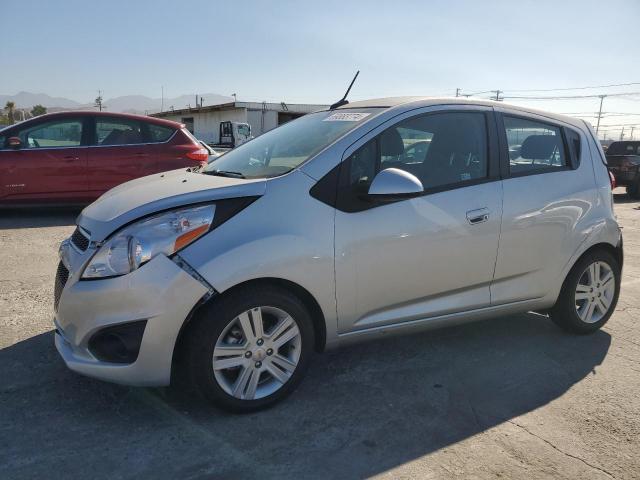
38 217
360 411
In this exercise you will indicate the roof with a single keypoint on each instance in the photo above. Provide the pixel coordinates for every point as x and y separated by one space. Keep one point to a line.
278 107
417 102
131 116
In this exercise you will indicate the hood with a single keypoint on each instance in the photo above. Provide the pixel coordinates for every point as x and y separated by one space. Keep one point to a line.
161 191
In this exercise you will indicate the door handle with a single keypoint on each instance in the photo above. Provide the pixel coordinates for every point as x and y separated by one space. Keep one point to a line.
479 215
70 158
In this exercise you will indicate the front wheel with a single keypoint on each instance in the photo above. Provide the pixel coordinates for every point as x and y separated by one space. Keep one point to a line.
589 294
251 348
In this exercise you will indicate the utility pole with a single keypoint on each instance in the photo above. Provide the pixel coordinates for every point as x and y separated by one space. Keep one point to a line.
622 134
98 102
162 98
457 92
631 134
498 92
599 114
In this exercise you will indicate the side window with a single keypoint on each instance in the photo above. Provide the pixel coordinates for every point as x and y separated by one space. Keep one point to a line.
534 146
57 133
440 149
118 131
159 133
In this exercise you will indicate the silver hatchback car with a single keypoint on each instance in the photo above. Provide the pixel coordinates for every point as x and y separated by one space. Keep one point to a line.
378 217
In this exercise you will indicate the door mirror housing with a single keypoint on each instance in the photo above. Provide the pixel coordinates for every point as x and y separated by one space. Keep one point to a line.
14 142
393 183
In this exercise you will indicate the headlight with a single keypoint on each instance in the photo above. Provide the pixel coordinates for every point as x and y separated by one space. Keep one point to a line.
138 243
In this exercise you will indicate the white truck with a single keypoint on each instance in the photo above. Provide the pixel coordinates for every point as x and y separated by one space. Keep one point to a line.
232 134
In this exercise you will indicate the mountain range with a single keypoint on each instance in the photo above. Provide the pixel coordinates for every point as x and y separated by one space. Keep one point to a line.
127 103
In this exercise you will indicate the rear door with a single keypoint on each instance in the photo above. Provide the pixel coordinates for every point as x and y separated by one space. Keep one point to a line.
50 165
548 188
422 257
120 152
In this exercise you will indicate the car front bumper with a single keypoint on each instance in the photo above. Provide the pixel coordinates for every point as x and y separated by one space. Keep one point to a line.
160 292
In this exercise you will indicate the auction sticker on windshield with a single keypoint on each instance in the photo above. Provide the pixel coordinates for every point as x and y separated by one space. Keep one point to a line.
346 117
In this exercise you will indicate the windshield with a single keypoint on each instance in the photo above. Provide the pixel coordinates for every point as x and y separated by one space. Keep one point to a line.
281 150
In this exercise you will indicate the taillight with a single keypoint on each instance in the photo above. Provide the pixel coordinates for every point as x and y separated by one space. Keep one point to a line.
201 155
612 179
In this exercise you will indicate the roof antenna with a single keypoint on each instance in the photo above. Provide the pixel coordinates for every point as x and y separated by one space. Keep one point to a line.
344 100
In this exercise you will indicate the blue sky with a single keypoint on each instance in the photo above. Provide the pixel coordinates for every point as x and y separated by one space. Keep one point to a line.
307 51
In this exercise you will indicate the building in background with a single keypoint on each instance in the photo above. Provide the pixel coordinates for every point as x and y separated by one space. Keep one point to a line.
204 122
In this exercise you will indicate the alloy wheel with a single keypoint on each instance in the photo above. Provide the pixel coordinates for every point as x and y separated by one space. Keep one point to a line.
595 292
257 353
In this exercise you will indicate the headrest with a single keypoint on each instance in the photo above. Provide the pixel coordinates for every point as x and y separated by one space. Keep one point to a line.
391 143
539 147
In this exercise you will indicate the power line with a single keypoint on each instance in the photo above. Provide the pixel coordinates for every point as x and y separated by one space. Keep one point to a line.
568 97
595 114
574 88
564 89
620 125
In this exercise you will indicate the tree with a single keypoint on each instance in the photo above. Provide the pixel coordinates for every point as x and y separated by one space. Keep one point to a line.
10 108
38 110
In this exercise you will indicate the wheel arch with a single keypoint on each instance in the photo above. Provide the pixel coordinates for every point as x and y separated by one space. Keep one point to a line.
309 301
615 251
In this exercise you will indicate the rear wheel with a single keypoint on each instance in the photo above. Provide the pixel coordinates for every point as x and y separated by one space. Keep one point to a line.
589 294
251 348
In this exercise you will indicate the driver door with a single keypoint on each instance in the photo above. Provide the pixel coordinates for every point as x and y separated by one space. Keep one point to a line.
50 164
408 259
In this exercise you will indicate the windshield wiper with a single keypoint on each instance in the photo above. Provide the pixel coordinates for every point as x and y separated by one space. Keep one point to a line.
224 173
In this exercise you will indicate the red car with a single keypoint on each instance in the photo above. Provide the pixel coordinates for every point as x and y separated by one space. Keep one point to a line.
74 157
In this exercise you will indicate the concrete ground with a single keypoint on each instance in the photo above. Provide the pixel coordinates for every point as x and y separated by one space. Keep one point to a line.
507 398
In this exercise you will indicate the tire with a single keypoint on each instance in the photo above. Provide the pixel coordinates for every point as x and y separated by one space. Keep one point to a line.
633 191
227 328
572 309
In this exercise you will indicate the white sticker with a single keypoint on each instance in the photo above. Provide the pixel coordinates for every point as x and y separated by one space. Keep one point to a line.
346 117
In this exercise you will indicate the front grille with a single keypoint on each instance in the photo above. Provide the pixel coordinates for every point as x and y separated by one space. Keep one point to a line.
79 240
62 275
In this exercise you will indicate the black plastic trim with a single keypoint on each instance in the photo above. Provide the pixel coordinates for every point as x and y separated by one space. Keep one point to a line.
118 343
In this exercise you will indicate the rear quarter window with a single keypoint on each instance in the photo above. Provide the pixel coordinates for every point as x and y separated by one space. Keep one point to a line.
159 133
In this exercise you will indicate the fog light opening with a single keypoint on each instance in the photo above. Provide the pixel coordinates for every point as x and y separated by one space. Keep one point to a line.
119 343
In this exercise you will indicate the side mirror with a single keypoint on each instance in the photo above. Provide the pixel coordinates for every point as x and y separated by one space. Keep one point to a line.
14 142
393 183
